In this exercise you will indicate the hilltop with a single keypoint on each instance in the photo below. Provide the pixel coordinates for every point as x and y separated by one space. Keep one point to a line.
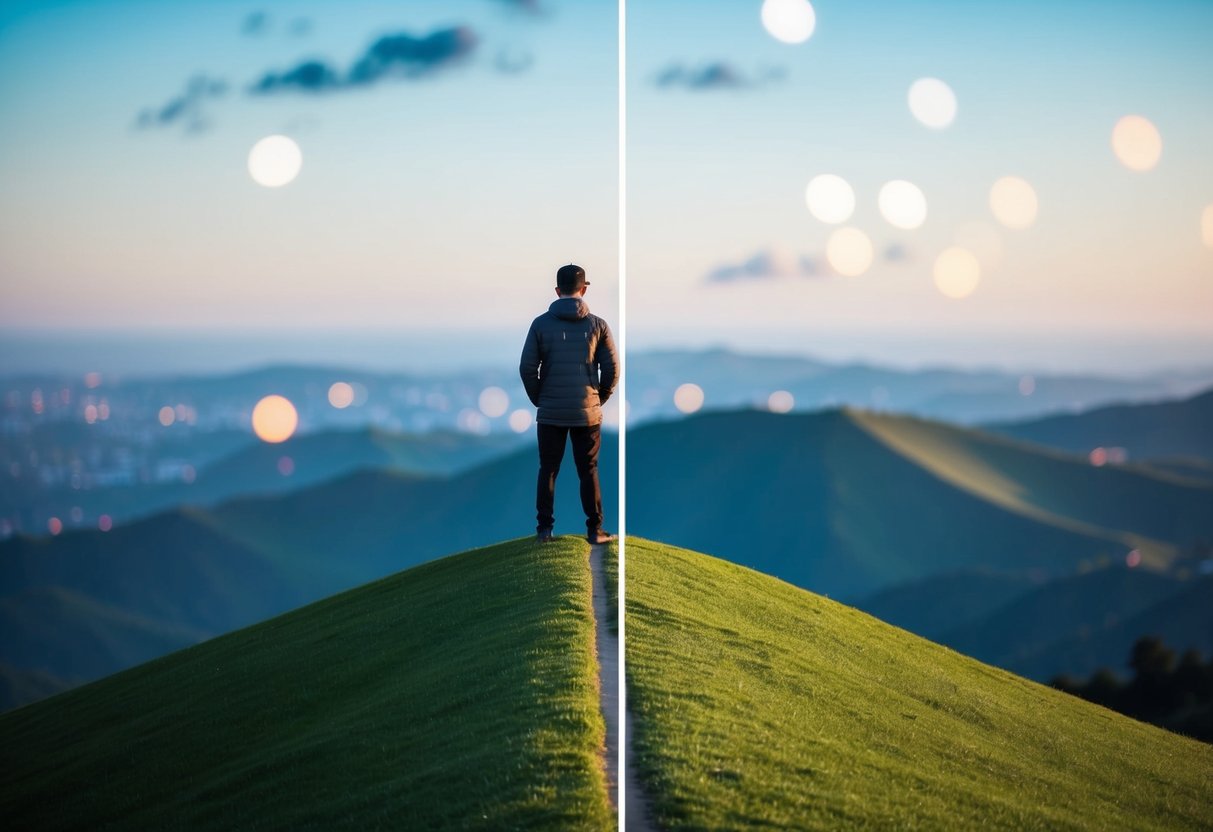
761 705
458 693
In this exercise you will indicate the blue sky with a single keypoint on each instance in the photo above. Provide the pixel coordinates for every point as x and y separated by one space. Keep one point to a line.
440 202
1113 265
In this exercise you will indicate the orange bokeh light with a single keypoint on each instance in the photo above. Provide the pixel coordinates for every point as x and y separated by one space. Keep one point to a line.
275 419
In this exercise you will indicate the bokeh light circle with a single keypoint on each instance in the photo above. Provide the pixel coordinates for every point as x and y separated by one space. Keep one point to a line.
275 419
493 402
849 251
830 198
341 395
932 102
1014 202
167 415
789 21
781 401
957 272
520 420
275 161
903 204
688 397
1136 143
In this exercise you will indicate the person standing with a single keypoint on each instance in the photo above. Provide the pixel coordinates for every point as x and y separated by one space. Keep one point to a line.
569 369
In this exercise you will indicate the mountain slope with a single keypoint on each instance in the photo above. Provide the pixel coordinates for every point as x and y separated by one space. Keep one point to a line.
1021 635
458 693
1146 431
760 705
64 633
257 467
847 503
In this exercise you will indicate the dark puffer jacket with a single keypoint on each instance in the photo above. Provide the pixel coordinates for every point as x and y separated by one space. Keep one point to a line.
569 366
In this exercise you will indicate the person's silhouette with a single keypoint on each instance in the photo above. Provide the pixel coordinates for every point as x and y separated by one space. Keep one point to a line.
569 369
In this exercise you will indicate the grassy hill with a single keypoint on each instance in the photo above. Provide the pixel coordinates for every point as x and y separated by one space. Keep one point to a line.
461 693
1159 430
761 705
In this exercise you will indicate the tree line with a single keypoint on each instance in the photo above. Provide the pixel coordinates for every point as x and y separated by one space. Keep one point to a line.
1174 693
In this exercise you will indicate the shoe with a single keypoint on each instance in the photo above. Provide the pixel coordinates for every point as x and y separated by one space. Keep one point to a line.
543 536
599 537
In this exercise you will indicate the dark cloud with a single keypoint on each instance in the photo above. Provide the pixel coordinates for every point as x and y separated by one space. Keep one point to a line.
186 109
767 265
717 75
409 57
311 76
391 56
255 24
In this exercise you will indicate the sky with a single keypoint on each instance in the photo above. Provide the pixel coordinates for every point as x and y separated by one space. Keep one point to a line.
441 186
727 125
446 174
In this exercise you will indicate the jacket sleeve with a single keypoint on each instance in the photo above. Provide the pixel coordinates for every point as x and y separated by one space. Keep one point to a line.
608 364
528 366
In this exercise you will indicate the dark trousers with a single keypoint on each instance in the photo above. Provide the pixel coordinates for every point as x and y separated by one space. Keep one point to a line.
586 439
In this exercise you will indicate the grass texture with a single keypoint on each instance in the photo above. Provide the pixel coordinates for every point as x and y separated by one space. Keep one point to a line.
459 694
761 705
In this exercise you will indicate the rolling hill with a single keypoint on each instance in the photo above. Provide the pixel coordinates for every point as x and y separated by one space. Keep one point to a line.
461 693
847 502
1168 430
759 705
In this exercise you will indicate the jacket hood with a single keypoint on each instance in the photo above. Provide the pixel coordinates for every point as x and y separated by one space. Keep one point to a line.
569 309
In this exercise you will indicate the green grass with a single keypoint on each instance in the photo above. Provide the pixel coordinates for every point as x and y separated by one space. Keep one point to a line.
760 705
458 694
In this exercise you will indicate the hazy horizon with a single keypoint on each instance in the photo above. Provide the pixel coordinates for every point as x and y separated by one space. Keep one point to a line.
219 350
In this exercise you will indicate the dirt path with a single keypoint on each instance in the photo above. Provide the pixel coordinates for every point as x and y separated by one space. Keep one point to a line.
637 813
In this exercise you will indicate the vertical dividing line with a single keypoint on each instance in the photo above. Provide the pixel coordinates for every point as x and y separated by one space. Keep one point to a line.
623 406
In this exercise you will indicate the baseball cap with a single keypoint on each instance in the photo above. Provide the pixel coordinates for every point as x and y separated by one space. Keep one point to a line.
570 278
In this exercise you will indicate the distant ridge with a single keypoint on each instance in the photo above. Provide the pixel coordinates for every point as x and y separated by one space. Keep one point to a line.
849 502
1168 430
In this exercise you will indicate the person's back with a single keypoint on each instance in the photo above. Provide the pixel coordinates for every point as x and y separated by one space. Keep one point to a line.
569 369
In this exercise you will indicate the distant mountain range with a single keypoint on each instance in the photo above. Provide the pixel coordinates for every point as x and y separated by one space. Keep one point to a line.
733 380
849 502
256 467
1176 433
